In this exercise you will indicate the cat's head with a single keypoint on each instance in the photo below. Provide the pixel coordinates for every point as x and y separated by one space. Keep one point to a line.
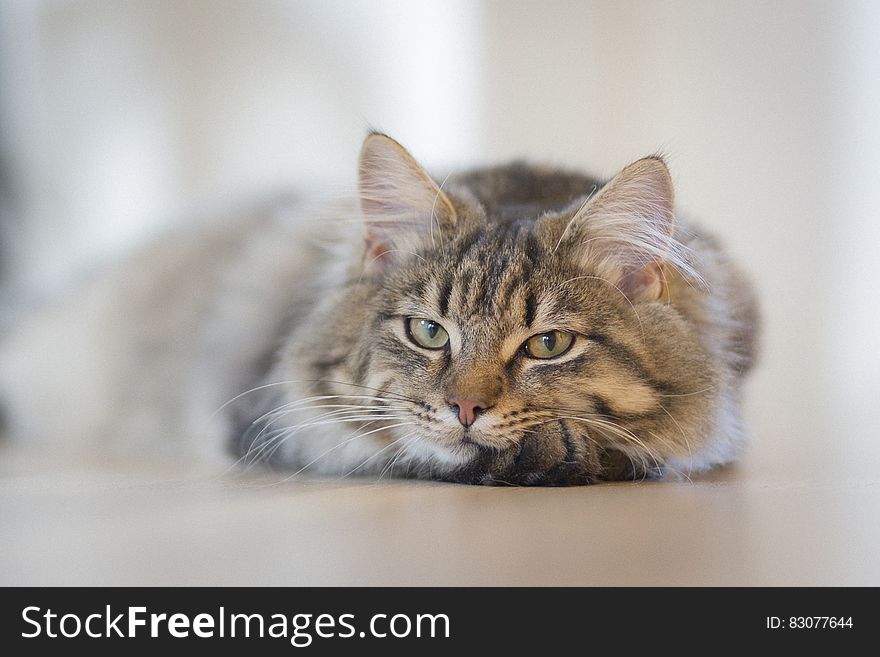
486 331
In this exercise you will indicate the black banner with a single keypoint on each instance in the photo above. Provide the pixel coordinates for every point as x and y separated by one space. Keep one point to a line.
519 620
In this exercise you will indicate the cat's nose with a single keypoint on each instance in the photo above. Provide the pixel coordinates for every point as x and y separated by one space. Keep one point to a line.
467 409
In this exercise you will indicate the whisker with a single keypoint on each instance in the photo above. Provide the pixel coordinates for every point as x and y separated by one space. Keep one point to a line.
681 473
575 217
342 444
375 455
689 394
389 467
363 408
681 430
434 219
280 411
296 404
601 423
323 419
264 386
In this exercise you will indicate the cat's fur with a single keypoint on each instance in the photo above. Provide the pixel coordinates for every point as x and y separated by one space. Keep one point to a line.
316 338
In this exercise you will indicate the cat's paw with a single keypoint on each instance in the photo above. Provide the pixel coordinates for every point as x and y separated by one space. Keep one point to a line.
558 455
554 456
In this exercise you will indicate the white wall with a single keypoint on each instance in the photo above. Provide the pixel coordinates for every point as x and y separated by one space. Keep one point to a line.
117 117
852 323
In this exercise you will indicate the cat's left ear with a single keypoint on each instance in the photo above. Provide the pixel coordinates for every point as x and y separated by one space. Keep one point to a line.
403 206
623 233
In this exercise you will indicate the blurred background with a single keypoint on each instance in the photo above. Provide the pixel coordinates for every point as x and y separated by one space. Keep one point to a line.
119 119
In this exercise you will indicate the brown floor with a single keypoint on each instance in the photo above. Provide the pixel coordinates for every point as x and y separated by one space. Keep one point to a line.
113 524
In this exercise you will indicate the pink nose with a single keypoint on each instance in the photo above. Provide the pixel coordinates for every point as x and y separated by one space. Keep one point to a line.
467 409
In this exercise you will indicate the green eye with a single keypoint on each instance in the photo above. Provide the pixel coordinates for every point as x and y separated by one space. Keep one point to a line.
426 333
548 345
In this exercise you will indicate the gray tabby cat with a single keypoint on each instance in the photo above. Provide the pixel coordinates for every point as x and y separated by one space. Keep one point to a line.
514 325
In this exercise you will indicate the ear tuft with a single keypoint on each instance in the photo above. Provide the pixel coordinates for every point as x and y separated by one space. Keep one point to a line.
401 203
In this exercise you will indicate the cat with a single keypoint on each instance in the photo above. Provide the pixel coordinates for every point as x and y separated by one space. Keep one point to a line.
513 325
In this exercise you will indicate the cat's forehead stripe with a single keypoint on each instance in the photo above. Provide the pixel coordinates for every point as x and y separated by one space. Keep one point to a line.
488 275
531 307
444 294
483 298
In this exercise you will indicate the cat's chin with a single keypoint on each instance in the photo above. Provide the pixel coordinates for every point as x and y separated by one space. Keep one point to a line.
425 450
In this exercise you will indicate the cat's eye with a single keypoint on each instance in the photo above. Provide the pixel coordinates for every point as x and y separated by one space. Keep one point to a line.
548 345
426 333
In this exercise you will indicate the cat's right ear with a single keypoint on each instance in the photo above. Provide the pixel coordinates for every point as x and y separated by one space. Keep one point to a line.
402 205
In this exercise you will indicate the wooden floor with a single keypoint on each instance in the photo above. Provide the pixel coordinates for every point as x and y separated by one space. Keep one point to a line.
68 522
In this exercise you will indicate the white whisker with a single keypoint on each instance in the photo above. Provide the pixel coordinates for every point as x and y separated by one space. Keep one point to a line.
342 444
576 216
376 455
434 218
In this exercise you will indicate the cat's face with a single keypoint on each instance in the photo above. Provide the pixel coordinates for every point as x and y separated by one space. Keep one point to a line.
497 337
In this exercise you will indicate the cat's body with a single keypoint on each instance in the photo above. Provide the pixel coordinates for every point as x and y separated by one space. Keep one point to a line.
339 350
